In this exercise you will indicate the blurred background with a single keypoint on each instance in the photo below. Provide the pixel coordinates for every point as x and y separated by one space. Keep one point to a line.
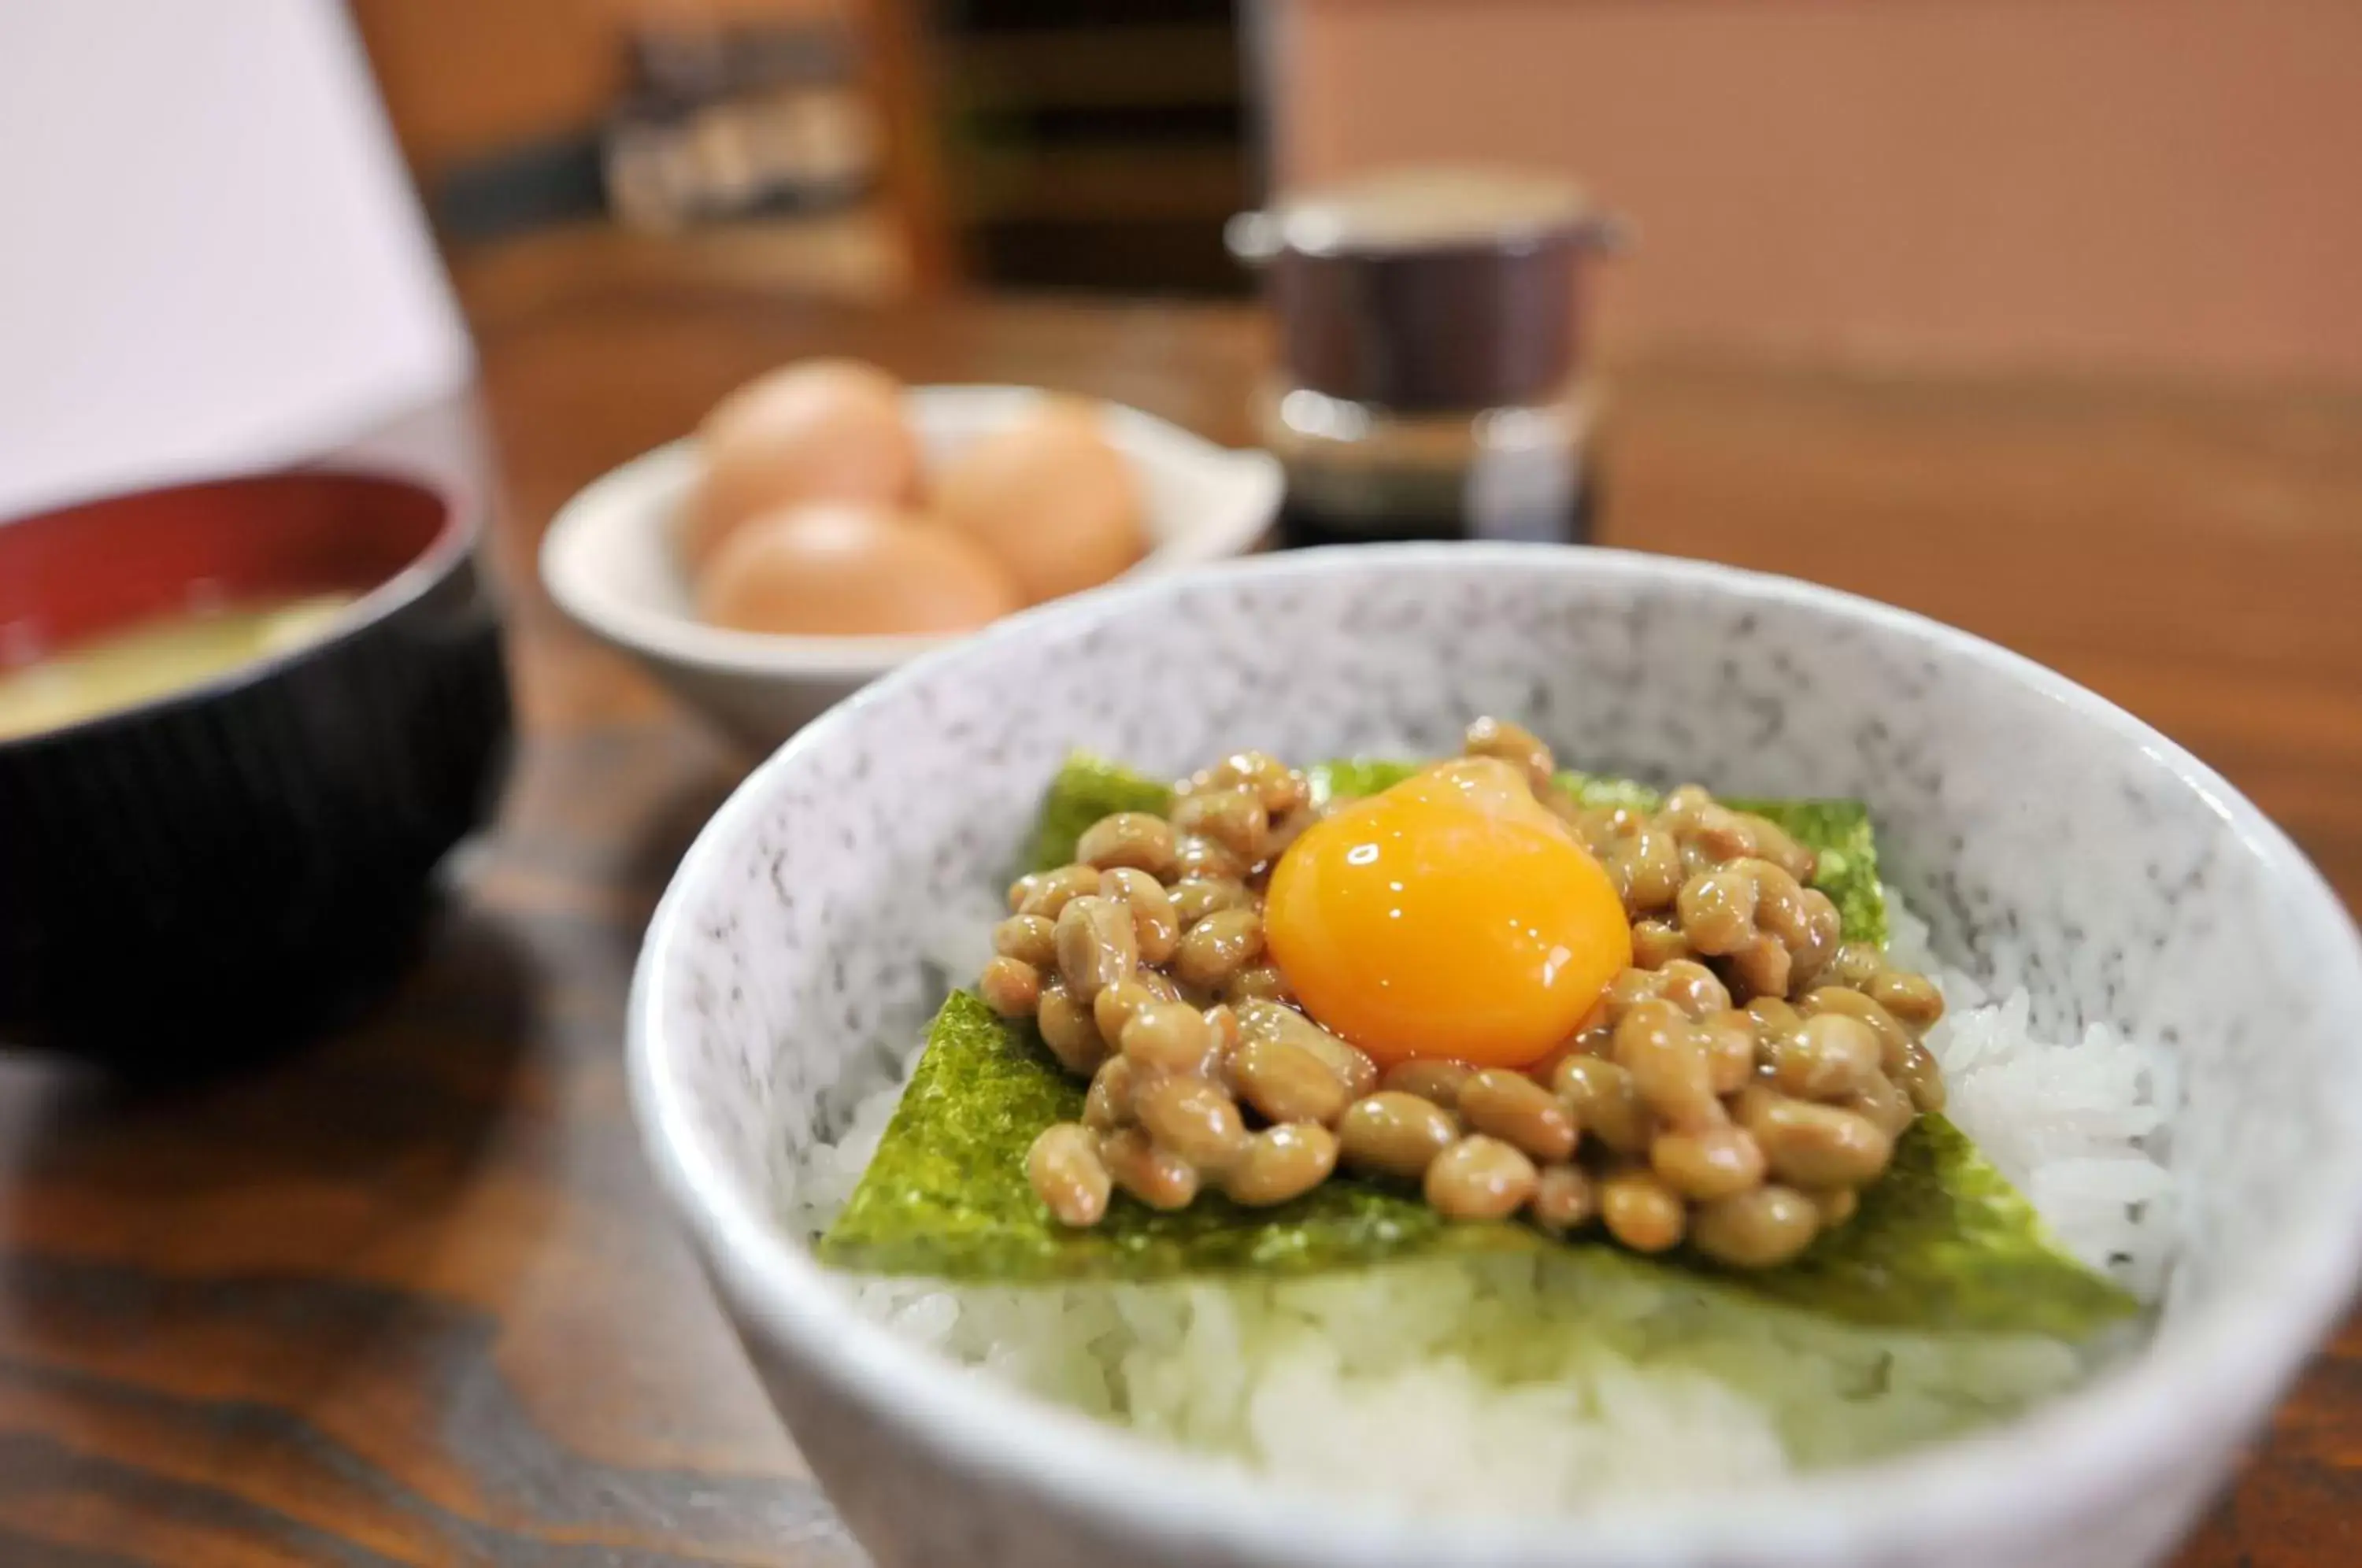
2033 316
2150 184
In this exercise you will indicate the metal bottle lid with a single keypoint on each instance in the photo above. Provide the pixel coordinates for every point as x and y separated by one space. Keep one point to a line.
1428 288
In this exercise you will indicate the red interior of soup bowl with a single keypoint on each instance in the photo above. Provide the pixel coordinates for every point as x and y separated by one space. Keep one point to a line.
71 575
257 847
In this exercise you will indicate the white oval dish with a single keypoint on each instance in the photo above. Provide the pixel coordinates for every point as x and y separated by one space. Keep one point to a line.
2055 842
607 558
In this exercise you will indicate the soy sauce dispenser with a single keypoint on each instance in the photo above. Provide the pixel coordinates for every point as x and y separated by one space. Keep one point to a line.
1429 381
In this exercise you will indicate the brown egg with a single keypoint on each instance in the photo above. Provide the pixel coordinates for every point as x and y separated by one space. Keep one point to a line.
1051 498
816 430
833 569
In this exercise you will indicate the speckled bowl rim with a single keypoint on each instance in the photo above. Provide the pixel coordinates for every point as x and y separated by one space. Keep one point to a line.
2106 1443
454 541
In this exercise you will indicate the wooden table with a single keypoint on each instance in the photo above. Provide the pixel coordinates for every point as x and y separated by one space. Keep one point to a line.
411 1299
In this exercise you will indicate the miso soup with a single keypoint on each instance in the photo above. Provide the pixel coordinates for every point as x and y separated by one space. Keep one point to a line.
155 659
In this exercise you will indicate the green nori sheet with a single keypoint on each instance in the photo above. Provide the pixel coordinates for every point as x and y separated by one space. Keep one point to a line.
939 1199
1086 789
1942 1243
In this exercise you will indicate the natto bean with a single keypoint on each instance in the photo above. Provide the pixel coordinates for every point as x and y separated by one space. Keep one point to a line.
1193 1117
1065 1171
1914 999
1513 1108
1923 1078
1902 1057
1280 787
1594 1035
1010 988
1827 1056
1137 840
1856 965
1280 1163
1725 835
1773 1016
1629 989
1257 982
1893 1039
1605 1103
1730 1040
1431 1078
1097 946
1198 897
1837 1205
1654 1044
1715 1161
1286 1082
1774 844
1023 889
1657 942
1165 1038
1646 867
1108 1106
1564 1199
1157 1177
1218 947
1515 744
1233 818
1640 1210
1761 968
1047 892
1479 1178
1069 1031
1692 987
1030 939
1156 929
1757 1229
1883 1103
1286 830
1271 1020
1395 1133
1113 1008
1815 941
1813 1145
1201 858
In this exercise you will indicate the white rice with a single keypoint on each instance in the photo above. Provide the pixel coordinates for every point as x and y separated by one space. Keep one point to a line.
1512 1382
2078 1126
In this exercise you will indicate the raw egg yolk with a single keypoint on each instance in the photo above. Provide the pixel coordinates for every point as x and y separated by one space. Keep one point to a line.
1450 916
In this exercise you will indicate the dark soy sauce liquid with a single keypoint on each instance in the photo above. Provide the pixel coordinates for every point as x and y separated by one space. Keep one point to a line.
1305 525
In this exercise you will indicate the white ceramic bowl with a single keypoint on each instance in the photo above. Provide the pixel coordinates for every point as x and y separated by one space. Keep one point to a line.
608 562
2055 841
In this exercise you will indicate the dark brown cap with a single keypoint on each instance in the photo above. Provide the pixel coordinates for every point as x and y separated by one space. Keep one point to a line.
1428 288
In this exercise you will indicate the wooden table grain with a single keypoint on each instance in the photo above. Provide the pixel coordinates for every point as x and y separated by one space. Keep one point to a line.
409 1299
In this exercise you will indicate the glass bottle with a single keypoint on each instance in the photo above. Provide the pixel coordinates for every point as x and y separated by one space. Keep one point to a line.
1430 382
